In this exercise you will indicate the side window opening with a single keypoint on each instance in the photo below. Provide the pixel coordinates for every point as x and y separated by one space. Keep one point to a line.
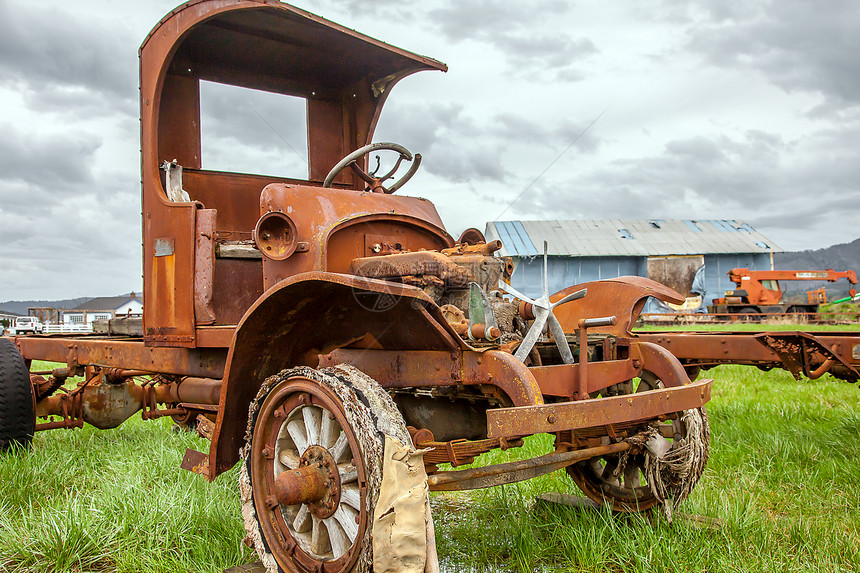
252 131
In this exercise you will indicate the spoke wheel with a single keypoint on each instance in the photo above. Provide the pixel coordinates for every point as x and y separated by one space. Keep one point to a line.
306 420
626 490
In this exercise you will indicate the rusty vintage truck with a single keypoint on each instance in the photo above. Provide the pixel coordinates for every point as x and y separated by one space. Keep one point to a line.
299 320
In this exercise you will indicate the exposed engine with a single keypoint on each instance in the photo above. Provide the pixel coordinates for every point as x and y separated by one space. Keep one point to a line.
462 280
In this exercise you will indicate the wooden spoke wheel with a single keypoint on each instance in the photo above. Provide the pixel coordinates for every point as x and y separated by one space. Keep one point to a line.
310 473
313 467
626 490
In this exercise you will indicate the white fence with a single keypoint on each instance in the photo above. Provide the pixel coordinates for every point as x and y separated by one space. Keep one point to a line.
67 328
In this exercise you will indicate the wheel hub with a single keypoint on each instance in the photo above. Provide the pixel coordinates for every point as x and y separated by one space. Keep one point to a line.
316 482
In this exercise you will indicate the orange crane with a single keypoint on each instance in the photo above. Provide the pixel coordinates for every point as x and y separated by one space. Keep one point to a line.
758 292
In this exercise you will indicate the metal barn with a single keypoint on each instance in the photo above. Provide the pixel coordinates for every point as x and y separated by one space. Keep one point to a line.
670 251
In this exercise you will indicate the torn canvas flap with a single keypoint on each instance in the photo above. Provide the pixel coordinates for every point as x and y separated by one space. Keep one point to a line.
400 519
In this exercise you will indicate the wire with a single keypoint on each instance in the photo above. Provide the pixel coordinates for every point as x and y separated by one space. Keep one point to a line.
551 163
287 143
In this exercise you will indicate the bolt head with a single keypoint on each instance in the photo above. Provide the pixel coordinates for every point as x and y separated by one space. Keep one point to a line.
271 502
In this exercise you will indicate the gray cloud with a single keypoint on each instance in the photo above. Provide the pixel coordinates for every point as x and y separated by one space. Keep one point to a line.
69 195
516 30
758 177
455 147
48 161
379 10
460 148
519 33
64 63
797 45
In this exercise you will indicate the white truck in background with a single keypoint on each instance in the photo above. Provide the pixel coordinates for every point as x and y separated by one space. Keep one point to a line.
28 324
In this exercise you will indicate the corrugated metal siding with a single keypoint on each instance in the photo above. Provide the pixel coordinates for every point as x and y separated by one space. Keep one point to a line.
605 238
514 234
566 271
569 271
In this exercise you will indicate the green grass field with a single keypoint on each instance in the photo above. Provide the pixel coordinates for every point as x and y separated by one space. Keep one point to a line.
782 479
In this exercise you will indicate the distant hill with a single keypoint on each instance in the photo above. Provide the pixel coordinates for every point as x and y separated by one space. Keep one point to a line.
842 257
21 306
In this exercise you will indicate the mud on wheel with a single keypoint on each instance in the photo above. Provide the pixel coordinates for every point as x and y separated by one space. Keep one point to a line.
624 480
312 468
17 413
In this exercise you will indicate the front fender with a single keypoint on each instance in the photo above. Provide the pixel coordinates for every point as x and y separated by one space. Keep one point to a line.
622 297
663 364
311 314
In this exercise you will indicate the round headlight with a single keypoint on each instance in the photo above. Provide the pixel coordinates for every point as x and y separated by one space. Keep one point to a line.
275 235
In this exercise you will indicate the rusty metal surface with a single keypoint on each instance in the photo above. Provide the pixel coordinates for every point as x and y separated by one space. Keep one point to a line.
195 462
397 369
124 353
284 398
797 352
456 452
310 315
609 297
418 263
566 380
109 396
308 483
804 353
511 472
341 225
559 416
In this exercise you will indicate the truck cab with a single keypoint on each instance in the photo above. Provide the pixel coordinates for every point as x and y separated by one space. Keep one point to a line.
203 264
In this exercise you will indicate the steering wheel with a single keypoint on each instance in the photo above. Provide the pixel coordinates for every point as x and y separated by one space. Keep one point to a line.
374 182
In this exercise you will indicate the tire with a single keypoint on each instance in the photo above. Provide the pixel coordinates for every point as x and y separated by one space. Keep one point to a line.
17 407
360 413
749 314
630 492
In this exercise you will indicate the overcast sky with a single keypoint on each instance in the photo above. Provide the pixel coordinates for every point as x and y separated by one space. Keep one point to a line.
703 110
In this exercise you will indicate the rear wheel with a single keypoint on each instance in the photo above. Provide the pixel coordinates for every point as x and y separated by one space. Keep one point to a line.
316 426
623 480
17 403
749 314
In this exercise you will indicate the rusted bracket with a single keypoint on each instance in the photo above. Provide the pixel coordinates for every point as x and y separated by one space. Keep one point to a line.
456 452
149 402
72 412
581 382
797 351
205 427
196 462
